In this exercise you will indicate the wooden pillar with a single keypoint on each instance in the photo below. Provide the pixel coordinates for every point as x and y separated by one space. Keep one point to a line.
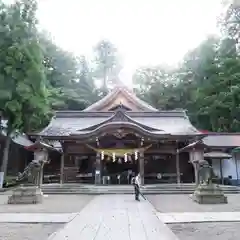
178 168
98 175
141 167
62 169
178 172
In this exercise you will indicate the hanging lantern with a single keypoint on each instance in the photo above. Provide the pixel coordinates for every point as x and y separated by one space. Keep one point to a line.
119 160
125 157
102 155
114 157
136 155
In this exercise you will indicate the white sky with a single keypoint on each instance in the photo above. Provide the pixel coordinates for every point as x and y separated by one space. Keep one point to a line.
146 32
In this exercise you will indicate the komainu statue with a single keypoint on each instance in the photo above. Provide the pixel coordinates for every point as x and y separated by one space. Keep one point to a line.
205 172
34 173
34 170
31 172
207 192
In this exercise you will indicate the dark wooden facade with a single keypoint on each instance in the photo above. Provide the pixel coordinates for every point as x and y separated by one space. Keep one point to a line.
122 121
18 157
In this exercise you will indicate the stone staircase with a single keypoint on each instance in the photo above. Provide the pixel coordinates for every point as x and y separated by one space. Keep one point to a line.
127 189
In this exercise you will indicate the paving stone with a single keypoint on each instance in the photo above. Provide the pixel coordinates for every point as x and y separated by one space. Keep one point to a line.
211 231
51 204
19 231
36 217
113 217
183 203
189 217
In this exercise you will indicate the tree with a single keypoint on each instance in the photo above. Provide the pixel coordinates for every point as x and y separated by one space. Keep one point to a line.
69 78
107 64
155 85
61 68
86 86
229 22
206 84
23 94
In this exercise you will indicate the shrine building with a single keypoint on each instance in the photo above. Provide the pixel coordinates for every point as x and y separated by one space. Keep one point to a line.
121 135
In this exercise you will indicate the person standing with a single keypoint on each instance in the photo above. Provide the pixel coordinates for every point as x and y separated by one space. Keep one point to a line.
136 184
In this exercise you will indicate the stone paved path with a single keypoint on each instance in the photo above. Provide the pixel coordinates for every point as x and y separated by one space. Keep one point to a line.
191 217
36 217
113 217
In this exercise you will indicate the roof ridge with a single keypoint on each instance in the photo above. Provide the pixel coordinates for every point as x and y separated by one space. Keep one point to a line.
115 113
103 100
129 94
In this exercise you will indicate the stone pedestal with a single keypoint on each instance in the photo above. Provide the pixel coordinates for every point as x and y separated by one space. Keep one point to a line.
209 194
26 195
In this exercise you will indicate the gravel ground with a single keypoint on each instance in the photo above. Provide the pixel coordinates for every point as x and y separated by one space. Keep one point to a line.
51 204
210 231
17 231
183 203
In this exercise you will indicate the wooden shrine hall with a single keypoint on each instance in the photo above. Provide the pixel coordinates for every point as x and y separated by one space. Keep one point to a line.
119 136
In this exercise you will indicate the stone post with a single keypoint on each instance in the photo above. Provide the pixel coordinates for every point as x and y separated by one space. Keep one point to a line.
98 175
141 167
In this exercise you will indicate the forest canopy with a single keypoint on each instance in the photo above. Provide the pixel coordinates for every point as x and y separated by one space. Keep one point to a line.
38 76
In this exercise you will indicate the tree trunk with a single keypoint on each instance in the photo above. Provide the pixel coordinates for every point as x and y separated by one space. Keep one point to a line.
5 155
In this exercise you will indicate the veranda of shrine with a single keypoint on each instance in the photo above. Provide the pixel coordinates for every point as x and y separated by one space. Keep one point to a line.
120 135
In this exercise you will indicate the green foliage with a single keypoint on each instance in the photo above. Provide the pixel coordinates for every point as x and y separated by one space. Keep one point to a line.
22 77
207 83
107 65
69 78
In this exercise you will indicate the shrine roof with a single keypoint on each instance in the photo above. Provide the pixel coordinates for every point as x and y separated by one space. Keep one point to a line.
40 144
227 140
215 141
66 123
217 155
18 138
120 95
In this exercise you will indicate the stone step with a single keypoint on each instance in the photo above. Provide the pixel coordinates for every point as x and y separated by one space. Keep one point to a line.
127 189
114 191
129 186
145 189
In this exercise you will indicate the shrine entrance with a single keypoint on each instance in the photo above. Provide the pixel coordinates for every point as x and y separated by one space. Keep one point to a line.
119 157
118 171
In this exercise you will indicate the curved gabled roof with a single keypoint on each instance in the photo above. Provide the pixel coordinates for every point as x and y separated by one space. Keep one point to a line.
118 125
121 116
66 123
126 94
